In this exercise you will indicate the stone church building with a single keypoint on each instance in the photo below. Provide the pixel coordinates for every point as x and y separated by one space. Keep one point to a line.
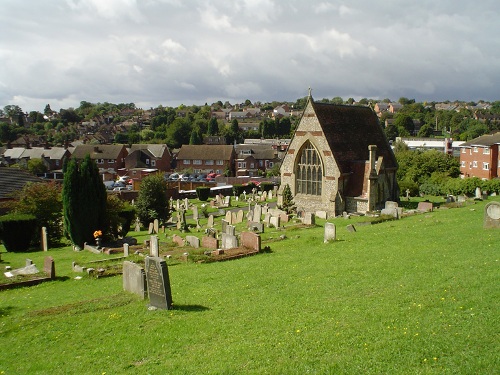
339 160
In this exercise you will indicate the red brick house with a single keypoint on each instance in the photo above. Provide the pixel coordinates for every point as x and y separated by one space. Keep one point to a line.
255 159
109 158
479 157
207 158
148 156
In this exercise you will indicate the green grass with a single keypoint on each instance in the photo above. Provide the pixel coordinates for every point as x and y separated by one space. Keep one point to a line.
414 296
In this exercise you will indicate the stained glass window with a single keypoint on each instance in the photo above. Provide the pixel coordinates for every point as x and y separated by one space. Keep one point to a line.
309 173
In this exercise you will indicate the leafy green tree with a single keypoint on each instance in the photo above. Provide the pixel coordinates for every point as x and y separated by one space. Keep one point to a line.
404 122
425 131
84 201
196 137
152 201
43 201
36 166
213 127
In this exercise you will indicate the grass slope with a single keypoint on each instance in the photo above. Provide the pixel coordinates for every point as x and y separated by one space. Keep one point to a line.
415 296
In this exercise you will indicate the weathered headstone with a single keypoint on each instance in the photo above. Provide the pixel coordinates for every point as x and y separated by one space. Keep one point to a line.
227 201
492 215
345 215
154 246
274 221
478 193
193 241
270 195
239 217
28 262
322 214
228 241
284 217
210 223
49 267
156 227
233 217
391 204
257 213
134 279
224 225
425 206
158 281
351 228
256 227
267 219
125 249
151 228
45 246
330 232
251 240
309 219
195 212
264 195
209 242
229 217
230 229
137 225
186 204
390 212
178 240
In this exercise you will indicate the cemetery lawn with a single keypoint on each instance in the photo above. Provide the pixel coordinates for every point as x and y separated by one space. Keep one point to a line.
414 296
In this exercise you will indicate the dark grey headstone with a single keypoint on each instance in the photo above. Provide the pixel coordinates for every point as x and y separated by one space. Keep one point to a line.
351 228
158 282
49 267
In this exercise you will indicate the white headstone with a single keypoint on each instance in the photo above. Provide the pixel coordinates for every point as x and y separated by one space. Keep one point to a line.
330 232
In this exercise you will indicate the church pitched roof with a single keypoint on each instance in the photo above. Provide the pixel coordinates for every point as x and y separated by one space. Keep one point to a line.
349 130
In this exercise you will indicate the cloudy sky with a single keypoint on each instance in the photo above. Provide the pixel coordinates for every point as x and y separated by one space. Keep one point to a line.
168 52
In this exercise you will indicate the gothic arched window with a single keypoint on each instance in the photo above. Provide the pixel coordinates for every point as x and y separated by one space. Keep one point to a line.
308 172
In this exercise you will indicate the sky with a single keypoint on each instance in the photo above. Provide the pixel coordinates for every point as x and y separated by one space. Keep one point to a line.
172 52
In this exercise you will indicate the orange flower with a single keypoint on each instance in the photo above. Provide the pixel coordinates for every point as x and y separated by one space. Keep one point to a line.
97 234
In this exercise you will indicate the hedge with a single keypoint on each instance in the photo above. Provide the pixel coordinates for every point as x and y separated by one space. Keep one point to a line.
17 231
127 214
203 192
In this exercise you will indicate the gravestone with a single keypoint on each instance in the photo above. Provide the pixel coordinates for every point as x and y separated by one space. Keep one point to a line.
461 198
137 225
156 226
239 217
224 225
233 217
256 227
154 246
134 279
257 213
228 241
230 229
178 240
251 240
267 219
229 217
49 267
195 212
158 283
492 215
28 262
284 217
309 219
210 223
351 228
186 204
178 205
270 195
478 193
390 212
345 215
322 214
274 221
210 242
44 244
193 241
151 228
125 249
425 206
391 204
264 195
330 232
227 201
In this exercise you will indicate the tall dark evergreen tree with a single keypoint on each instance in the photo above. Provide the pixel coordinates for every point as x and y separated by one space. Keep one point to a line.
84 201
213 127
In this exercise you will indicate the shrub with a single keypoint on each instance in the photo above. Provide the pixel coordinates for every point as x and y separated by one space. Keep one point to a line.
429 188
266 186
238 189
17 230
203 192
127 215
408 185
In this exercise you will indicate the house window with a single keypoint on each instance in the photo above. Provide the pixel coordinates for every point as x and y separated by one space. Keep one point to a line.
220 162
197 162
100 161
242 164
209 162
111 161
246 152
475 149
153 163
486 166
252 165
260 163
57 163
474 164
218 171
271 164
197 171
462 164
486 151
147 161
308 170
463 150
186 161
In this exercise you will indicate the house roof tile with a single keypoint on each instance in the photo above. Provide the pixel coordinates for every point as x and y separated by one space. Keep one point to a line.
206 152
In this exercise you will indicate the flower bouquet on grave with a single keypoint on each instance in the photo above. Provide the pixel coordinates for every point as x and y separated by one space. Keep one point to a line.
98 238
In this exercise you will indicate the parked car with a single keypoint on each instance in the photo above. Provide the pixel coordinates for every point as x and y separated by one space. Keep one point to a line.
119 188
109 185
173 177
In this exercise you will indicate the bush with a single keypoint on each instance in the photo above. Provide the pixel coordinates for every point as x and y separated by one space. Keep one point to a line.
203 193
266 186
408 185
429 188
127 215
17 231
238 189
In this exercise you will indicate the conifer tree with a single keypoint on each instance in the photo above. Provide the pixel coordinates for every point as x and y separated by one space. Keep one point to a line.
287 205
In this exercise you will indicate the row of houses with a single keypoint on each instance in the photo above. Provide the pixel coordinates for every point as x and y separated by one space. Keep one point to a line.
139 159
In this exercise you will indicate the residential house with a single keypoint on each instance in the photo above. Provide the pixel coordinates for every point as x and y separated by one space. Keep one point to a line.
381 108
109 158
207 158
149 156
479 157
214 140
394 107
13 180
29 140
255 159
339 160
281 111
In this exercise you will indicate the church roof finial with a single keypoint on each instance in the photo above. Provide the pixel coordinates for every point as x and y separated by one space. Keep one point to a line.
310 92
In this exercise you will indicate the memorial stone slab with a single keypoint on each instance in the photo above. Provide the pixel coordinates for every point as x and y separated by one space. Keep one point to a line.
351 228
224 225
251 240
134 279
425 206
391 204
309 218
178 240
330 232
229 217
492 215
210 223
193 241
137 225
231 229
284 217
322 214
209 242
233 217
151 228
228 241
257 213
126 249
186 204
478 193
195 212
49 267
227 201
239 217
154 246
156 227
256 227
274 221
45 246
158 282
267 219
